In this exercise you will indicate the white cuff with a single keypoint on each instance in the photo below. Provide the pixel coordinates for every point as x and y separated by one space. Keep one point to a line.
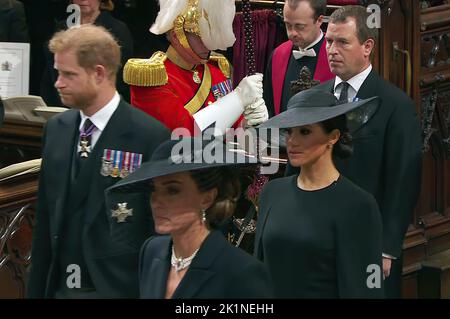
224 113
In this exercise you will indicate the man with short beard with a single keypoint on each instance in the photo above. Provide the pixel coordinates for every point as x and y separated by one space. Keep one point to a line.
86 150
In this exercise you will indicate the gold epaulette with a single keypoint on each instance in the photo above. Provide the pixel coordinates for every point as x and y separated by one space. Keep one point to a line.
222 62
146 72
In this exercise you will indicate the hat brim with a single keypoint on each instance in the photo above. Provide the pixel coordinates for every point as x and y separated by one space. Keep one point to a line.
300 116
139 180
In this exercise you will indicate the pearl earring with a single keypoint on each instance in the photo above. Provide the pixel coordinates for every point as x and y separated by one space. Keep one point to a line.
203 215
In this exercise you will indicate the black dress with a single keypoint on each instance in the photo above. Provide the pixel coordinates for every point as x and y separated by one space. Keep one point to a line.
319 244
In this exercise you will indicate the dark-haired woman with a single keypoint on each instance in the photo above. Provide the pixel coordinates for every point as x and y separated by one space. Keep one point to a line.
189 201
318 233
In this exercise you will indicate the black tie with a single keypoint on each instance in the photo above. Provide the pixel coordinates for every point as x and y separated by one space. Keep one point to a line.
343 98
86 138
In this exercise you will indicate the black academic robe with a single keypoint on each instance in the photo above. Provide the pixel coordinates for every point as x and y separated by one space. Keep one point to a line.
218 271
112 264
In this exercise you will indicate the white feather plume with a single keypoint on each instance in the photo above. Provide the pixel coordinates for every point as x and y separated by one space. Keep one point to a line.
216 31
169 10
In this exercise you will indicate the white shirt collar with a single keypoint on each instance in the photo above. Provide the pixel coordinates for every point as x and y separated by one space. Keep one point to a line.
356 81
101 118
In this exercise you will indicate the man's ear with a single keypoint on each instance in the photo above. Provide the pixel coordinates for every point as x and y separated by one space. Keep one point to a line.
368 47
320 20
101 73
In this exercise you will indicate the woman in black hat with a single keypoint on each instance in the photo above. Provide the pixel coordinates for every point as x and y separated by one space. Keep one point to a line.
191 194
318 233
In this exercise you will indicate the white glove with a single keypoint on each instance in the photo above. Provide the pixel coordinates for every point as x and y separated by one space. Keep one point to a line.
250 89
256 113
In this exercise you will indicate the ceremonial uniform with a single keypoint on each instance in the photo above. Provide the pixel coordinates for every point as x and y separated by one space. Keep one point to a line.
171 91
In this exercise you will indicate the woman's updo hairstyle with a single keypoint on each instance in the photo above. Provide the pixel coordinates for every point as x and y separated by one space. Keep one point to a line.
226 181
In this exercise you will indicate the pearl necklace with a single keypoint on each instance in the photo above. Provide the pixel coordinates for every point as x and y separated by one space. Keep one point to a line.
181 263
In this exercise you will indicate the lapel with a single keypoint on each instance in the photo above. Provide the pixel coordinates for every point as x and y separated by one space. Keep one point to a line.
260 224
67 129
362 115
201 270
368 88
89 175
322 71
327 86
280 61
159 272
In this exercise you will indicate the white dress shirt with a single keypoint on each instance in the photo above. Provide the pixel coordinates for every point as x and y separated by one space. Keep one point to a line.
354 84
100 119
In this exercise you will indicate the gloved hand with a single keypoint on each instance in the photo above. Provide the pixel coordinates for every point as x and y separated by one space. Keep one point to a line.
250 89
256 113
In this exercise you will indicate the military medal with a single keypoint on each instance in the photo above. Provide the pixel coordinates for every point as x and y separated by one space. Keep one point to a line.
136 160
119 163
196 77
107 165
117 159
221 89
122 212
125 170
85 148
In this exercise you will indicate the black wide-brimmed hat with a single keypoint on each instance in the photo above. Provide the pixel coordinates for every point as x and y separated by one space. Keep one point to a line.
185 154
312 106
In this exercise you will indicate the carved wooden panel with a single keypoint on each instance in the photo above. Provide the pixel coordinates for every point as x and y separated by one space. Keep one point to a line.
16 225
434 205
19 141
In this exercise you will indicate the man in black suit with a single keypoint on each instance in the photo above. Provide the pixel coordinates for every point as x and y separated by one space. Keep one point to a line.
387 140
86 150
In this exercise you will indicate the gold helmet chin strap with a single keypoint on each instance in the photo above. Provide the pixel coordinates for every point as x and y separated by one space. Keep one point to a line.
188 21
181 36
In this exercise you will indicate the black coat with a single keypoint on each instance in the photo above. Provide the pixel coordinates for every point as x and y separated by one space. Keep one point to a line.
218 271
387 158
112 264
13 24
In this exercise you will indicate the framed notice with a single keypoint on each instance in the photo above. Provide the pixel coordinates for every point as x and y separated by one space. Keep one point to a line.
14 69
